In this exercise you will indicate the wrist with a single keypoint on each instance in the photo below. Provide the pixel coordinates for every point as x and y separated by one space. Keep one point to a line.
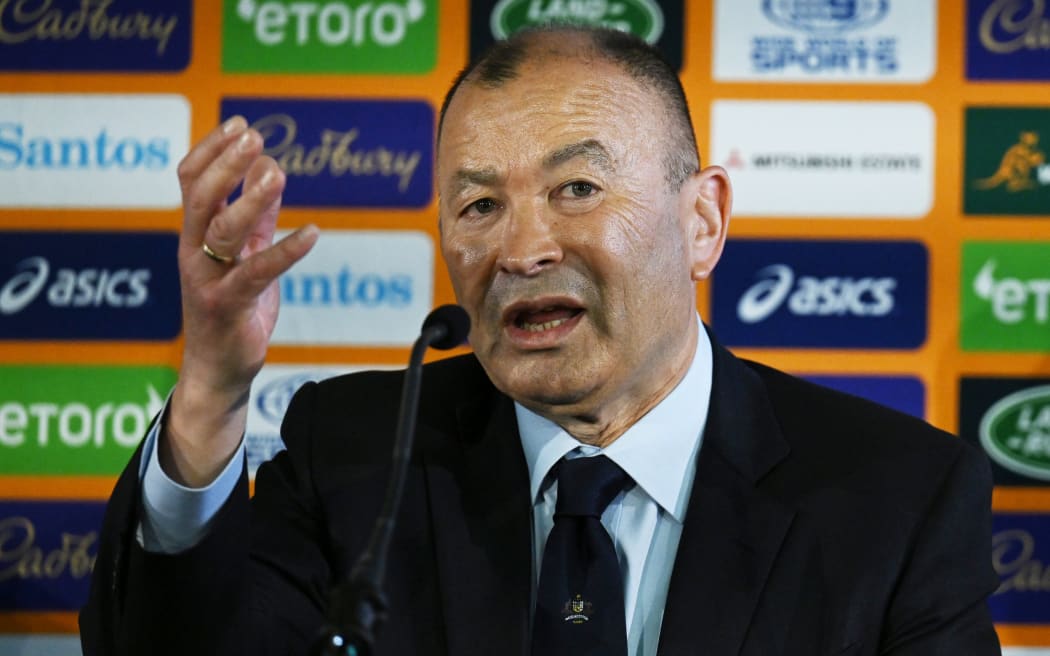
202 431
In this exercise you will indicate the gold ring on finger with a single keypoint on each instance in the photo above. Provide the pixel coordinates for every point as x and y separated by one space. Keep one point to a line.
221 259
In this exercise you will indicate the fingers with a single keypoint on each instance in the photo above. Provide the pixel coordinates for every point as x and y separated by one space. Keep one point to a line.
205 152
255 274
212 170
200 157
253 214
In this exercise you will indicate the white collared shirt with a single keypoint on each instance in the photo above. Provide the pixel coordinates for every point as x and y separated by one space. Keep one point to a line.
645 521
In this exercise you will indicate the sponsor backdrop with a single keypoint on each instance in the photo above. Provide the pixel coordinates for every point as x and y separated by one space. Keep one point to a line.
891 235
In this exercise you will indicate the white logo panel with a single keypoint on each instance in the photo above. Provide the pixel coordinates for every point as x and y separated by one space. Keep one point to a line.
805 41
40 645
69 150
826 159
361 288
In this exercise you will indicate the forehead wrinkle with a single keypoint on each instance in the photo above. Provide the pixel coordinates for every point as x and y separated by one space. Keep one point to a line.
590 149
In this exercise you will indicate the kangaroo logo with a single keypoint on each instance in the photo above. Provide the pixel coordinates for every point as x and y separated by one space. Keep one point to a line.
1016 168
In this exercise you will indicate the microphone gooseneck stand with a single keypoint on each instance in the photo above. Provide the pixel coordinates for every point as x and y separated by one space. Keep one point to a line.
358 606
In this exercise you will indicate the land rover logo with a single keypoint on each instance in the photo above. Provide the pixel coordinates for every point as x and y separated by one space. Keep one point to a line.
1015 432
642 18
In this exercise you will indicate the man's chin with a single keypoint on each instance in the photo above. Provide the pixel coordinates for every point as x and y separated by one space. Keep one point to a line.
545 391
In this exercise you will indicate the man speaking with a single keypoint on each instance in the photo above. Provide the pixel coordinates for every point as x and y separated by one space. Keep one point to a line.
598 477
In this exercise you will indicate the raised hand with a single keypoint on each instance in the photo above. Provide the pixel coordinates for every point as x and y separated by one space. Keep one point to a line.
228 266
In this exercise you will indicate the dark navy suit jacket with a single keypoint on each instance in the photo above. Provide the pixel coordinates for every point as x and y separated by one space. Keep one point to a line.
818 524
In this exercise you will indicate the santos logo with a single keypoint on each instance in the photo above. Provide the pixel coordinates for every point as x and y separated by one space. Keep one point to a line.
85 288
99 151
91 150
358 287
821 294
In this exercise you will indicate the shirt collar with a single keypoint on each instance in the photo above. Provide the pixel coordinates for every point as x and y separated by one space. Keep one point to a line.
658 451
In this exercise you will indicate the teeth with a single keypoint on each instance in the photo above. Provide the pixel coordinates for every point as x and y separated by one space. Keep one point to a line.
546 325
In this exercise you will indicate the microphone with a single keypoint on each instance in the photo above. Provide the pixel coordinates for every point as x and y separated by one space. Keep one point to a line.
358 606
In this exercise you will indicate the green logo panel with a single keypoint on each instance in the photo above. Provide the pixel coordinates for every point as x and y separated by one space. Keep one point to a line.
640 17
1006 170
76 420
1005 296
331 36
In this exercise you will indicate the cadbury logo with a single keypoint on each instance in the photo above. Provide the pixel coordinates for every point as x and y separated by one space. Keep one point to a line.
1011 25
336 153
21 558
28 20
1012 559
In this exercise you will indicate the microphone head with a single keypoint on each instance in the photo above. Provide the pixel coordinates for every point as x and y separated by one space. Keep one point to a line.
455 322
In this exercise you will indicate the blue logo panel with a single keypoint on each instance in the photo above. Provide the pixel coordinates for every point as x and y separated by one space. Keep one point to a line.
1021 557
74 35
346 153
89 285
902 393
821 294
1006 40
47 552
825 16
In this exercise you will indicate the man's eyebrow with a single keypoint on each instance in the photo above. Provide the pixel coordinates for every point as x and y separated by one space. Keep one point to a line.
464 178
590 149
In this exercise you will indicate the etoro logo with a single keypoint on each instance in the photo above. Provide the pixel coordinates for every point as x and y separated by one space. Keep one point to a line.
1006 296
76 420
395 36
1016 432
331 23
1013 300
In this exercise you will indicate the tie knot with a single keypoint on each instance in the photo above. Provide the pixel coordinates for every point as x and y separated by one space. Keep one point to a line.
587 485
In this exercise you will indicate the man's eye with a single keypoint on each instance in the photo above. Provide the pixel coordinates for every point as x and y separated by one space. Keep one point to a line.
483 206
580 189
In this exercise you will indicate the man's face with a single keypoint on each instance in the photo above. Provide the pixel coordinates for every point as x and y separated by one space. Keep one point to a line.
562 237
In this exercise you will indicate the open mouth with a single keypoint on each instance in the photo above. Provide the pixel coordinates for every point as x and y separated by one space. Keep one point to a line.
541 317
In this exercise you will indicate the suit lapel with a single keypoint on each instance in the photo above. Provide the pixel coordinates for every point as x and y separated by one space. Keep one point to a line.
481 513
732 533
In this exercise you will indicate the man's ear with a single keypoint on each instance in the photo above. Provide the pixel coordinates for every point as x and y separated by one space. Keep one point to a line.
707 202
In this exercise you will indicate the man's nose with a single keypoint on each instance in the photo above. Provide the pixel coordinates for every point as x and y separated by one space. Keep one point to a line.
529 244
